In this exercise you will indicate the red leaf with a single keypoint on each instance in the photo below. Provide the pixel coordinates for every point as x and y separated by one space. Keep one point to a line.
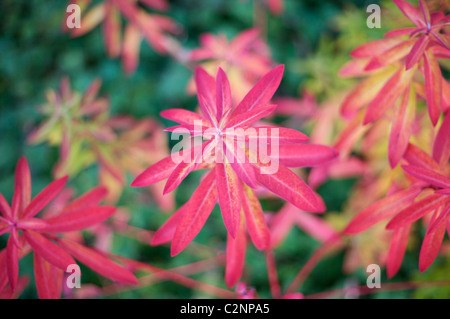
254 218
261 93
306 155
223 94
183 116
402 127
98 262
44 276
433 86
5 210
206 87
32 223
155 173
22 187
250 117
417 157
417 51
428 176
441 147
89 199
229 196
290 187
197 212
79 219
12 263
430 247
165 233
240 163
235 255
44 197
381 210
417 210
48 250
397 250
390 92
410 12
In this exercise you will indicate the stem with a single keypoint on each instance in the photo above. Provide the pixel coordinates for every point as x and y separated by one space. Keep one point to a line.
272 275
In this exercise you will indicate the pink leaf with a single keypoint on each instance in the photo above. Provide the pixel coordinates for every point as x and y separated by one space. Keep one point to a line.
12 263
433 86
410 12
441 147
380 210
254 218
165 233
44 276
79 219
198 209
397 250
183 116
223 94
155 173
430 247
229 196
306 155
48 250
98 262
235 255
428 176
262 92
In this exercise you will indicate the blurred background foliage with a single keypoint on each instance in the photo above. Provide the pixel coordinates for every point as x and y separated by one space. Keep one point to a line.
312 38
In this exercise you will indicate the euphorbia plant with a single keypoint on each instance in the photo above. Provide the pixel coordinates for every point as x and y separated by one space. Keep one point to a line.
233 177
43 235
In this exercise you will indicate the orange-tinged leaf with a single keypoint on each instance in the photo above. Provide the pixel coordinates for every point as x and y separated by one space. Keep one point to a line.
402 126
417 157
374 48
380 210
428 176
112 30
254 218
390 92
417 210
228 189
410 12
390 56
90 20
441 146
433 86
130 49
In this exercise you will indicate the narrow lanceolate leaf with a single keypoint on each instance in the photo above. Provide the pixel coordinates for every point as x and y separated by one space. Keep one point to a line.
417 157
132 40
365 92
5 210
208 110
441 146
12 263
240 163
90 20
32 223
254 219
417 51
390 92
44 277
112 30
399 32
374 48
98 262
402 126
305 155
262 92
44 197
410 12
165 233
428 176
417 210
433 86
89 199
183 116
430 246
290 187
442 218
48 250
380 210
229 196
270 135
155 173
79 219
223 94
391 56
191 160
206 86
22 186
397 249
250 117
198 209
235 255
445 191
